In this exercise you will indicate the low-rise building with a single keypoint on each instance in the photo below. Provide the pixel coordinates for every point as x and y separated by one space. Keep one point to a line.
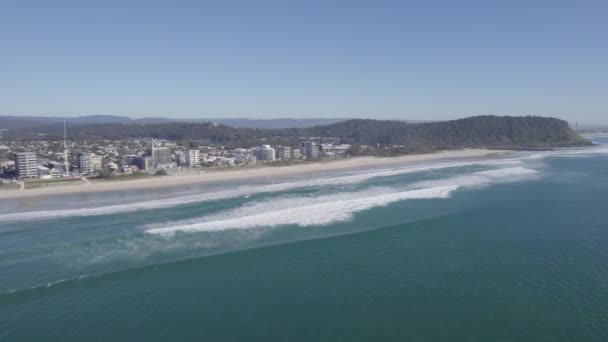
48 173
335 151
296 154
127 169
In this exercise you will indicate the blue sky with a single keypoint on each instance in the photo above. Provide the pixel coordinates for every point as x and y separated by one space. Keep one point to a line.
268 59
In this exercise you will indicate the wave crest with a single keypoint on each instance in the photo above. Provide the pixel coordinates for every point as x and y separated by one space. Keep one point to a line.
308 215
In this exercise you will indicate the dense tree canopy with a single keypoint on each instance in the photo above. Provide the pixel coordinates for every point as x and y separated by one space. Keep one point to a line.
479 131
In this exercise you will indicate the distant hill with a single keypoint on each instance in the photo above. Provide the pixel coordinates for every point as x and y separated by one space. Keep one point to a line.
250 123
99 119
479 131
22 122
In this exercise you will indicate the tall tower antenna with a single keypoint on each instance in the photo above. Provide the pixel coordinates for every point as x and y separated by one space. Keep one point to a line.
66 163
153 160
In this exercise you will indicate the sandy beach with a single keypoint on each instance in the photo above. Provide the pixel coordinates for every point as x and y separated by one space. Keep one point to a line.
236 173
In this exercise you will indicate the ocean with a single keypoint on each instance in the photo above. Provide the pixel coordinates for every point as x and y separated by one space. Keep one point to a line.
508 248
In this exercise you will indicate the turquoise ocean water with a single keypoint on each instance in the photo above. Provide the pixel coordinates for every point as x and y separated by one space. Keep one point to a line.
511 248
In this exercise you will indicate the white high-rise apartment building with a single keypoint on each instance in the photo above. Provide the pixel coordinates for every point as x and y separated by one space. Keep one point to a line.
26 164
264 153
89 163
309 149
161 156
193 158
283 152
180 158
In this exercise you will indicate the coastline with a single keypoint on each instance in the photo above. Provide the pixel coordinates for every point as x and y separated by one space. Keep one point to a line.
234 174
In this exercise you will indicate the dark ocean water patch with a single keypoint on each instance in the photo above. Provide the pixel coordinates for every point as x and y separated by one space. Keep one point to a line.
461 269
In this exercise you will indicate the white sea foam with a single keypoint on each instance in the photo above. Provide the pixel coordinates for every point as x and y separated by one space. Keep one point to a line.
482 178
239 192
586 151
333 208
319 211
603 149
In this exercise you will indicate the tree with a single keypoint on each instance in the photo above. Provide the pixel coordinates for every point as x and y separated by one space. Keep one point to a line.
104 174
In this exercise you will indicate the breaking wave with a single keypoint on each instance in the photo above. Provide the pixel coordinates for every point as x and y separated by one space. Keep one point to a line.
587 151
323 211
326 209
483 178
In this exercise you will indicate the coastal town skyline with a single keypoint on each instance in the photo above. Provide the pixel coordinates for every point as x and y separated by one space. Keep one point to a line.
40 150
319 170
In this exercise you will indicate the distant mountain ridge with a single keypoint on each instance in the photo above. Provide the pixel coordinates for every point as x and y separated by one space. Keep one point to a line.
20 122
477 131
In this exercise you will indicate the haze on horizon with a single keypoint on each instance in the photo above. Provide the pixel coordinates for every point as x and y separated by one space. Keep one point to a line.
276 59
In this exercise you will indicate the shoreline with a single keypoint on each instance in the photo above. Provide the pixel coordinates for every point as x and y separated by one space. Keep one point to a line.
234 174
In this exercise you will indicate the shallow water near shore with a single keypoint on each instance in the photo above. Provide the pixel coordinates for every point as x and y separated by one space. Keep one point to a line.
507 248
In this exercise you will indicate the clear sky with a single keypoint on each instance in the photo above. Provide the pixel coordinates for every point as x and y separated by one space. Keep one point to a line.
268 59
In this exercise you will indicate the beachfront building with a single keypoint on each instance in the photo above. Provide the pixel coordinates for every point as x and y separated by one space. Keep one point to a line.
335 151
48 173
342 148
6 165
309 149
180 158
161 156
219 161
241 152
193 158
26 164
88 163
296 154
283 152
264 153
